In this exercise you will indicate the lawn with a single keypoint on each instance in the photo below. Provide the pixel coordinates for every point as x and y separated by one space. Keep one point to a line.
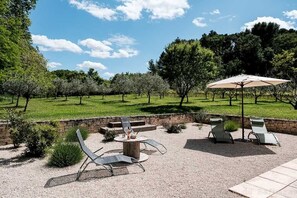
56 109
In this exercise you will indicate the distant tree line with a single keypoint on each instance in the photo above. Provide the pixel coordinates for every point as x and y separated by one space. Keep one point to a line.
265 50
184 66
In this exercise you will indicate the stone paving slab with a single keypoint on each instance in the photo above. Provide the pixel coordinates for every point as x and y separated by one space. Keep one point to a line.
249 190
288 192
277 196
286 171
291 165
278 177
266 184
280 182
294 184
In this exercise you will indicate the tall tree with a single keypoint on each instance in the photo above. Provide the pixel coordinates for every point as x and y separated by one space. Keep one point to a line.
285 66
122 84
185 64
266 32
35 76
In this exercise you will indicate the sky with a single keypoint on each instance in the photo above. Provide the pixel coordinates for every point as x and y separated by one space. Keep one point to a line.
115 36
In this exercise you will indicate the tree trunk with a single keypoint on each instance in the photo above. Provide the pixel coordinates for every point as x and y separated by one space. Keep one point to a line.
17 102
66 97
149 98
26 105
213 96
181 101
12 99
123 97
102 96
230 101
80 100
206 95
187 98
256 99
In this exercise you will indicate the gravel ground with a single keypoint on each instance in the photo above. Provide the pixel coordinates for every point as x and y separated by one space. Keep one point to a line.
193 167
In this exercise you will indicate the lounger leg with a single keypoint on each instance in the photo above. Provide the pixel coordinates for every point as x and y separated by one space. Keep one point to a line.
79 171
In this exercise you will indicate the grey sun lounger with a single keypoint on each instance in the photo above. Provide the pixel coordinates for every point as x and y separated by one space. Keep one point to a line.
218 132
157 145
260 132
105 161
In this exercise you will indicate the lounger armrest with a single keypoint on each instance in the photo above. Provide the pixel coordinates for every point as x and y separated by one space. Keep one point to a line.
98 150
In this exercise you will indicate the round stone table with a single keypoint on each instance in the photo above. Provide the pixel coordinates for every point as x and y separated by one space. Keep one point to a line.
131 147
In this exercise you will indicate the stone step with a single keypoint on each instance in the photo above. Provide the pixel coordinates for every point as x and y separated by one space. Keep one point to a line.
133 123
119 130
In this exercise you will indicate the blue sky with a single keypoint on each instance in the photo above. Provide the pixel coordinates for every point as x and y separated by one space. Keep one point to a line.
114 36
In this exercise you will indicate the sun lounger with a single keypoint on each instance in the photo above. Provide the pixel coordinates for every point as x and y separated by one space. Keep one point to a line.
218 132
260 132
105 161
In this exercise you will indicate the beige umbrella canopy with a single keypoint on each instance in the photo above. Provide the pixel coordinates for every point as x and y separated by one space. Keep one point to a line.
242 81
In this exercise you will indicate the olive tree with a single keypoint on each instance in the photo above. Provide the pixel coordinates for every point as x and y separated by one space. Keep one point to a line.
122 84
285 66
185 64
104 89
150 84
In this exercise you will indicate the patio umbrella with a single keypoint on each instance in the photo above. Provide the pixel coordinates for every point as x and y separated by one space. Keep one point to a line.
241 81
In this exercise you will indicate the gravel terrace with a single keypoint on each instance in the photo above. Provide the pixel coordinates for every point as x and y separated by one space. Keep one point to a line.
193 167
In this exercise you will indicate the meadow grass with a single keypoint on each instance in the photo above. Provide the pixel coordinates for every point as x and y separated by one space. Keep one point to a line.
57 109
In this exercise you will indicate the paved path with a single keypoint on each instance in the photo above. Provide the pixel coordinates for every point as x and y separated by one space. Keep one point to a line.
280 182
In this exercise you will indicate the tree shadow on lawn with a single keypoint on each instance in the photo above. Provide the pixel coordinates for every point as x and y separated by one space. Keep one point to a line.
170 109
115 102
238 149
72 104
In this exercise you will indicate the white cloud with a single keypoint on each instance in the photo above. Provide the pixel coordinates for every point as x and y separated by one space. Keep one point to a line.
95 10
115 47
108 74
89 64
46 44
214 12
199 22
281 23
291 14
97 45
166 9
132 9
53 64
124 53
122 40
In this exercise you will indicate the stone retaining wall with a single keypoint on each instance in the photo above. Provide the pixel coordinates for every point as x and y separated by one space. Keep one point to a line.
94 124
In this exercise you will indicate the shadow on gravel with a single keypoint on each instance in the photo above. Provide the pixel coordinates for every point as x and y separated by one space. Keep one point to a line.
238 149
15 161
85 176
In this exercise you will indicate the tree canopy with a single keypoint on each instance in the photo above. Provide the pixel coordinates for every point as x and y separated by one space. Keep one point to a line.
185 64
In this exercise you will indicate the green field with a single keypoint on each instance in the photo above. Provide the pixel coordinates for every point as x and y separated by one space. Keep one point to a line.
56 109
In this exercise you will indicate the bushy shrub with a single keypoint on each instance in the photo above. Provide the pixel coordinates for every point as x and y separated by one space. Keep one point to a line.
18 126
39 138
182 126
109 135
174 129
200 116
65 154
71 134
231 125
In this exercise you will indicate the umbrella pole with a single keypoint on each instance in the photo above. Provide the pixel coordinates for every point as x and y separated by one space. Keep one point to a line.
242 112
